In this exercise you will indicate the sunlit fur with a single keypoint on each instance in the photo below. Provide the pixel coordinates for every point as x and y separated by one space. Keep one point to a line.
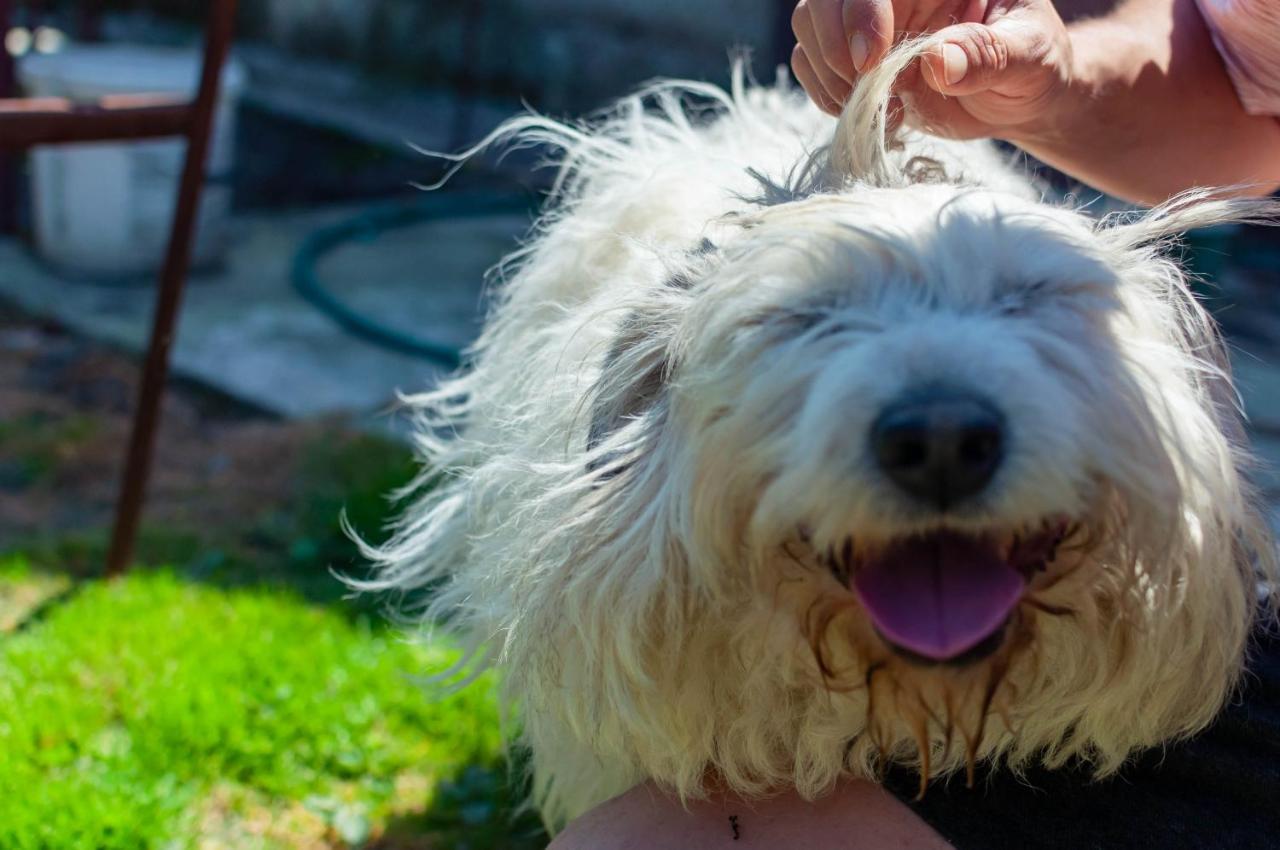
633 499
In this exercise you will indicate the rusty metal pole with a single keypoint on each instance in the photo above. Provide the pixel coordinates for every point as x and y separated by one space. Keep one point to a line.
218 34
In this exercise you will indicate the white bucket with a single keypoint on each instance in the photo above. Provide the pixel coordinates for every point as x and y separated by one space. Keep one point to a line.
106 209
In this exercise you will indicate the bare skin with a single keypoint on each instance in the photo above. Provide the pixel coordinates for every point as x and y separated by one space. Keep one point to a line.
1135 102
856 816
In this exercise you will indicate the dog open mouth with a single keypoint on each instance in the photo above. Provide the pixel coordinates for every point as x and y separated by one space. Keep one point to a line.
946 596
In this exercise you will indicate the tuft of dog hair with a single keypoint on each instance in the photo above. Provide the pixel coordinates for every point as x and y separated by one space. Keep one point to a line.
645 498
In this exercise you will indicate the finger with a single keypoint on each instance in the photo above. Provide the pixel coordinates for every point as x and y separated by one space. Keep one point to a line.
949 14
869 25
826 19
936 114
973 58
939 115
924 12
837 88
803 69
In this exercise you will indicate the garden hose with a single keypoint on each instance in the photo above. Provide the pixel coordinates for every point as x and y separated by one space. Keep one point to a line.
369 225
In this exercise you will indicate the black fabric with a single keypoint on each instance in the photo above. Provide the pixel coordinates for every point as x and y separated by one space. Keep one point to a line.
1218 790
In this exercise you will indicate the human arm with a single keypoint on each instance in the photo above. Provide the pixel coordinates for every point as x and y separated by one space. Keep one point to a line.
1150 110
1136 101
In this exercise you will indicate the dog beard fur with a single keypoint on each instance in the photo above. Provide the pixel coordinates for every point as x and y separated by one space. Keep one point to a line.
643 500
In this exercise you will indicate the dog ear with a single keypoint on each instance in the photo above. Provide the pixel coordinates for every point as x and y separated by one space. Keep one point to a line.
1188 211
633 380
1149 235
631 385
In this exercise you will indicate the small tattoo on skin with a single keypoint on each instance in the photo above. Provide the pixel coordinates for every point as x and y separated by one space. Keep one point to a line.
733 823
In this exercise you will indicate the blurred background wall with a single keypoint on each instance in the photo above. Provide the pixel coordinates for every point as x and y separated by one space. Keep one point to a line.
338 90
566 55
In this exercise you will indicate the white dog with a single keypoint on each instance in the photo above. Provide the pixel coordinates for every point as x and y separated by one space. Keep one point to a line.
792 450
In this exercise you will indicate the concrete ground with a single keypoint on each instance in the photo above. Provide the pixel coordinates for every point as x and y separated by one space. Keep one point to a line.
246 332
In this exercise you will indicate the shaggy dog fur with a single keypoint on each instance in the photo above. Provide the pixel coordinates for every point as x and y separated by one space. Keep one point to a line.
652 497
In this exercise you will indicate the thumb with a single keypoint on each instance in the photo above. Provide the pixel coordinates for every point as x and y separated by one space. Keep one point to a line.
972 58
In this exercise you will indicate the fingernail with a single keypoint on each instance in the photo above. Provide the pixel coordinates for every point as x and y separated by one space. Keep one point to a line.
955 63
858 50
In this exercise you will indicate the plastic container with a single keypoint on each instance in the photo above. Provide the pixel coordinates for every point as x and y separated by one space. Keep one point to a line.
105 209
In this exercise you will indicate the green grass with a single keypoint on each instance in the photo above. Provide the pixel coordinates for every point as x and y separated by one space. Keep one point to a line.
236 698
134 712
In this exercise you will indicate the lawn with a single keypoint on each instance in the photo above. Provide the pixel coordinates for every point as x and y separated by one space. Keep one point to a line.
227 693
159 712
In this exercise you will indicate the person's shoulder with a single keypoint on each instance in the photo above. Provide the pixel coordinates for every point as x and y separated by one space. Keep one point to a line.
644 818
856 815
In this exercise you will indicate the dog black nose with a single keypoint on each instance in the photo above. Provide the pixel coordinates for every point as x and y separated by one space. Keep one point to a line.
941 449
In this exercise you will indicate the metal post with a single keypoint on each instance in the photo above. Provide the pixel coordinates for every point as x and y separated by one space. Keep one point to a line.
220 26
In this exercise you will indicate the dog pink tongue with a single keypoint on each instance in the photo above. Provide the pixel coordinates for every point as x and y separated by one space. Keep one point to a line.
938 595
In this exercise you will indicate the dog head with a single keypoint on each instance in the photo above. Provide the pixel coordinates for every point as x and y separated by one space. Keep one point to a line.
894 466
974 454
920 471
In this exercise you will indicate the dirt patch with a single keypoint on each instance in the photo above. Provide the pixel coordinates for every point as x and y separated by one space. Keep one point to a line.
22 596
65 408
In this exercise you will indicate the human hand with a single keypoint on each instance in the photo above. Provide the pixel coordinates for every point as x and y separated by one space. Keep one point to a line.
997 67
